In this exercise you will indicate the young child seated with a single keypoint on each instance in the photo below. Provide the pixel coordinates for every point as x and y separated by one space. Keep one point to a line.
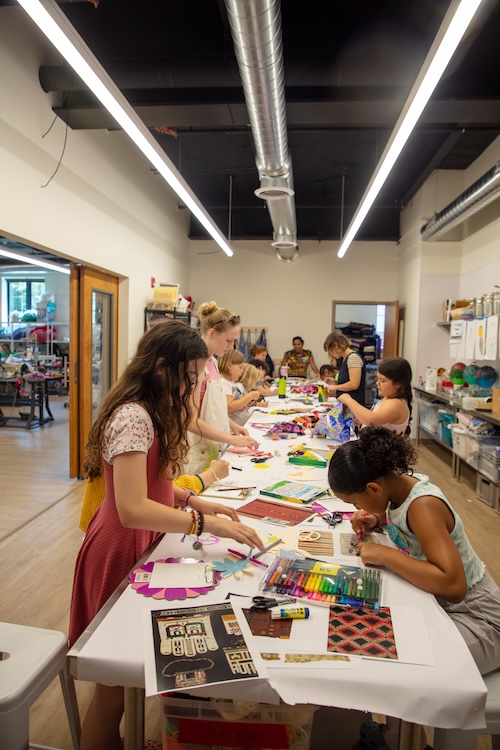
328 373
374 474
261 384
260 352
231 366
249 382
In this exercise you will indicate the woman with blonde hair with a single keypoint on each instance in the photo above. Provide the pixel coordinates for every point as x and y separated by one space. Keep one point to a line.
351 377
210 421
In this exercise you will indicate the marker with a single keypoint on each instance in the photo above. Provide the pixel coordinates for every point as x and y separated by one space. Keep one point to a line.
292 613
266 549
251 559
236 468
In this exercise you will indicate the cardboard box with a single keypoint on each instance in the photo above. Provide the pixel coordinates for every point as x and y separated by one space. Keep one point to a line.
495 400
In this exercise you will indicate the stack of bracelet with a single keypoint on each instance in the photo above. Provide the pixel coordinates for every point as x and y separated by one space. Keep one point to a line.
197 526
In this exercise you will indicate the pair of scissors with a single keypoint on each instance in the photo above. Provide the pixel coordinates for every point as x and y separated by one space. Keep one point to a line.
333 518
263 603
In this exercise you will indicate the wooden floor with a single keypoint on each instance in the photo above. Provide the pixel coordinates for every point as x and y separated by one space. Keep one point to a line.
39 540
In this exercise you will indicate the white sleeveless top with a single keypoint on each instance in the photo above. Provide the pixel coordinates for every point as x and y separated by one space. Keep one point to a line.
400 429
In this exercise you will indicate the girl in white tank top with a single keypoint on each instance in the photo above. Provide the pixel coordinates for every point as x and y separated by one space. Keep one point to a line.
393 411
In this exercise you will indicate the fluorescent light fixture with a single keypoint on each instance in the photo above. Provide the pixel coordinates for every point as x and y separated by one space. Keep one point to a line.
34 261
450 33
56 27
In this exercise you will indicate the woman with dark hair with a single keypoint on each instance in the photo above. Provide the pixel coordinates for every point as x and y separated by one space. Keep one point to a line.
351 377
139 440
394 408
298 360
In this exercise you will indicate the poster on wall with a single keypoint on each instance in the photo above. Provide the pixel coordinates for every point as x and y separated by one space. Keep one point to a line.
491 337
470 339
480 345
457 339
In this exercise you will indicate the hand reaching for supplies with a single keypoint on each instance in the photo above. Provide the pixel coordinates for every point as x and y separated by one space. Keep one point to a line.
223 527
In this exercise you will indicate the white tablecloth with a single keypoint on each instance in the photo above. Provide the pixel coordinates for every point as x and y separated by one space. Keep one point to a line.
449 694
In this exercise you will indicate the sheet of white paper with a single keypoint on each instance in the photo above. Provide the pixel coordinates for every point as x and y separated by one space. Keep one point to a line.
480 345
470 339
410 633
491 337
179 575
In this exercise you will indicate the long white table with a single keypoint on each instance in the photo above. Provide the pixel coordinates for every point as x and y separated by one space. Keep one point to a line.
450 693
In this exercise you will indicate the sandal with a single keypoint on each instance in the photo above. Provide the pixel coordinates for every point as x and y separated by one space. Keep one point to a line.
371 735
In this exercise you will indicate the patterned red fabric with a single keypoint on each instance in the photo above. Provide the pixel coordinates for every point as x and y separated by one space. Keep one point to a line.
362 632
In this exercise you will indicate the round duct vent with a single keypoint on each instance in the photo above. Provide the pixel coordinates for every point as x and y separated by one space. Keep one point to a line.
274 192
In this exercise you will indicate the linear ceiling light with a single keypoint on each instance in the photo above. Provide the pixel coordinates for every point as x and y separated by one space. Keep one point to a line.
34 261
56 27
451 31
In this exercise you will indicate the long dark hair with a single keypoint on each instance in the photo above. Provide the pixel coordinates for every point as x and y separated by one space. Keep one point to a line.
157 378
376 454
399 371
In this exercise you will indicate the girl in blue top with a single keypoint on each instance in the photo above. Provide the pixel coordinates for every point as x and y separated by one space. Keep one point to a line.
432 549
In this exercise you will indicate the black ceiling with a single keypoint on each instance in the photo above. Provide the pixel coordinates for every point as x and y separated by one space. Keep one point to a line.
348 69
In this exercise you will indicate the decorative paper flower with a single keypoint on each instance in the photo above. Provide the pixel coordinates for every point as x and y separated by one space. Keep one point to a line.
228 567
140 577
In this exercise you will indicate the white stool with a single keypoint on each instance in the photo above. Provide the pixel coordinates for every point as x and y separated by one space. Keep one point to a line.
30 659
459 739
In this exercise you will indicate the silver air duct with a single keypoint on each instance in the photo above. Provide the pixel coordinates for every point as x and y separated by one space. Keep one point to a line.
256 31
471 200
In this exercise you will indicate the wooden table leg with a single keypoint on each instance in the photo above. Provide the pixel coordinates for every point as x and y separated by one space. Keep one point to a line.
411 736
134 718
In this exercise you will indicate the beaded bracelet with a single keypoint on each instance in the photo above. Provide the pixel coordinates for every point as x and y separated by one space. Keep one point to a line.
194 523
377 516
201 523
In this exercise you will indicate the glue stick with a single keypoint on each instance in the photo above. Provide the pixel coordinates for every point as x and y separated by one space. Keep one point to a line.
290 613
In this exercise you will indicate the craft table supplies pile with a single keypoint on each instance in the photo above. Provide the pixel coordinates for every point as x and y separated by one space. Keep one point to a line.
392 650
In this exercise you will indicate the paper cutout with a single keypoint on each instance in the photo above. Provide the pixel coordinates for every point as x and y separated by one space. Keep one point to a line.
315 542
140 581
228 567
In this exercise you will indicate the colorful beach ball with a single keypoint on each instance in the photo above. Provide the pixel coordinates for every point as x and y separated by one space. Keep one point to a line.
457 373
470 374
486 377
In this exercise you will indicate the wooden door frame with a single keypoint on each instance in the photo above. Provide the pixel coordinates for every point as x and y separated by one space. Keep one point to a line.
83 281
391 322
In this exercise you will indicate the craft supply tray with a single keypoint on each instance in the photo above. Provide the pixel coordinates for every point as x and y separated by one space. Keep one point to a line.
324 583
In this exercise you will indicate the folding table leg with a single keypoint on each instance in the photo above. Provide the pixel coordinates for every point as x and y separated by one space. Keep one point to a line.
134 718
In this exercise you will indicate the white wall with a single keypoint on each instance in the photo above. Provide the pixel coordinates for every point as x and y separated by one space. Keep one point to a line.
463 265
104 206
293 299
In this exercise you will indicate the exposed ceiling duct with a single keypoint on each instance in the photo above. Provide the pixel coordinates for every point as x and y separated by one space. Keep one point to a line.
256 31
479 194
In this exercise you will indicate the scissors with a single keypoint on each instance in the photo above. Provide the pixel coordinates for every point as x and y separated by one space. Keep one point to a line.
333 518
263 602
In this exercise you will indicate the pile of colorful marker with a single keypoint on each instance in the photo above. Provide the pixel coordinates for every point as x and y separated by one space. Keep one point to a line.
324 583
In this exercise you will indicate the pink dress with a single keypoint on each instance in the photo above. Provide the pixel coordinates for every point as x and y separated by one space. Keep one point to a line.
109 551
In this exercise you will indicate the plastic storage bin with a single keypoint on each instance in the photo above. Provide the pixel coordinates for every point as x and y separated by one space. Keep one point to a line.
192 724
475 444
459 438
428 416
487 492
489 460
446 419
